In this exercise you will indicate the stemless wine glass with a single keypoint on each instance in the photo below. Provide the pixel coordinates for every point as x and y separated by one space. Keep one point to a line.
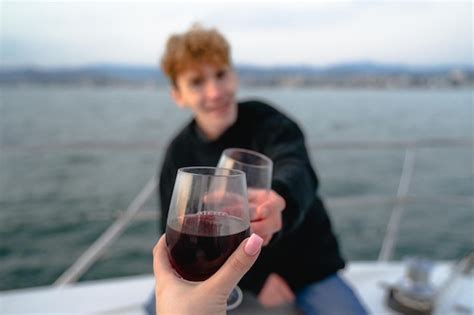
207 220
258 170
256 166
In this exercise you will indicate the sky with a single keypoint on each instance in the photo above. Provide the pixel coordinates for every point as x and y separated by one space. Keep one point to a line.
268 33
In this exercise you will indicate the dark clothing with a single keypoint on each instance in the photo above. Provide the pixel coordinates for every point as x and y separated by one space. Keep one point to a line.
305 250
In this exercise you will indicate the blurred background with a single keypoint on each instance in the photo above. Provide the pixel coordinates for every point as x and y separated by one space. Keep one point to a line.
382 90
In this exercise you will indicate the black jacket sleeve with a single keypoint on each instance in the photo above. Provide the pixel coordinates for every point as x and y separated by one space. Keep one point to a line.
293 176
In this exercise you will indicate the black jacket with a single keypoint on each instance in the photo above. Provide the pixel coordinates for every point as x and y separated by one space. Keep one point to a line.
305 250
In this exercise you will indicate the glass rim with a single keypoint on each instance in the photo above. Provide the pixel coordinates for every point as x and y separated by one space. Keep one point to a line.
194 170
265 158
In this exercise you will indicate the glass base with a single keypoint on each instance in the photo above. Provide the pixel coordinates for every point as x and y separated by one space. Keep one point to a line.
235 298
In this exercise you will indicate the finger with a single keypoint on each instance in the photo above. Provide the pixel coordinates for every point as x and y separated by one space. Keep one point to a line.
268 297
261 212
227 277
282 287
161 264
254 194
262 234
253 212
274 202
287 294
270 225
266 239
275 292
257 195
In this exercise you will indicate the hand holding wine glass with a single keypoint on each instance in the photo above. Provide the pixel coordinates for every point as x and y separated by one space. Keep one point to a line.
177 296
265 204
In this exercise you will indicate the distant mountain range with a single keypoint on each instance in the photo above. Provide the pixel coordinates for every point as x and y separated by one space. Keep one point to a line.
344 74
355 68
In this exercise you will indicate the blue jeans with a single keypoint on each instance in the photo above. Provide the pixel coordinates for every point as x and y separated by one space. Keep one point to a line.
329 296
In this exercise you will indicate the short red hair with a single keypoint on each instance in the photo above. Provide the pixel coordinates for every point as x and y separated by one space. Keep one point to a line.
194 47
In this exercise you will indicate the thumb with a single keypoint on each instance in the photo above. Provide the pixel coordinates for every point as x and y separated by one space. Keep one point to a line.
227 277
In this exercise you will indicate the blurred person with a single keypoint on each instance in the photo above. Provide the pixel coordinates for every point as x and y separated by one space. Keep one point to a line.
300 259
177 296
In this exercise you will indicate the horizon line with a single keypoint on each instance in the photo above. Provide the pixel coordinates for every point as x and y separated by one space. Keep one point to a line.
241 64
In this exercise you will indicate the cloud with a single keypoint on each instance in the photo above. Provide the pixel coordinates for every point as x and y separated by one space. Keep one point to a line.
73 33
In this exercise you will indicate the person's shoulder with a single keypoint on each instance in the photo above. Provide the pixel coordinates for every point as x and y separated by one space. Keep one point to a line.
259 107
264 111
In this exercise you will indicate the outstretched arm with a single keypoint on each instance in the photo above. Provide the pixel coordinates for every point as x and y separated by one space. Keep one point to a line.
293 176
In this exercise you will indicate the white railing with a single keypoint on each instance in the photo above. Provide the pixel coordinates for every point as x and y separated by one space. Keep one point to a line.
98 248
391 234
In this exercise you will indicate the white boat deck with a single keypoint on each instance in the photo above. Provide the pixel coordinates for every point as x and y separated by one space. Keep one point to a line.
128 295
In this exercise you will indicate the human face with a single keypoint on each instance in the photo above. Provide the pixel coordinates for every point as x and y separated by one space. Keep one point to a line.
209 92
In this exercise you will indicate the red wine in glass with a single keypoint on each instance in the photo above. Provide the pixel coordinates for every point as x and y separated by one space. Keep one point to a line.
200 243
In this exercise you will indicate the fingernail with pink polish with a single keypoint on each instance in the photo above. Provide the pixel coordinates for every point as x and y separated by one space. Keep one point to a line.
253 245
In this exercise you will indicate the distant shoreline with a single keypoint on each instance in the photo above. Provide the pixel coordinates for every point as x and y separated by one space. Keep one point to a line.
258 85
350 75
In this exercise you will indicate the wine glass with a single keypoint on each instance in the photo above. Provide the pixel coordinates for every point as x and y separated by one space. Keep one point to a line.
207 220
258 170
